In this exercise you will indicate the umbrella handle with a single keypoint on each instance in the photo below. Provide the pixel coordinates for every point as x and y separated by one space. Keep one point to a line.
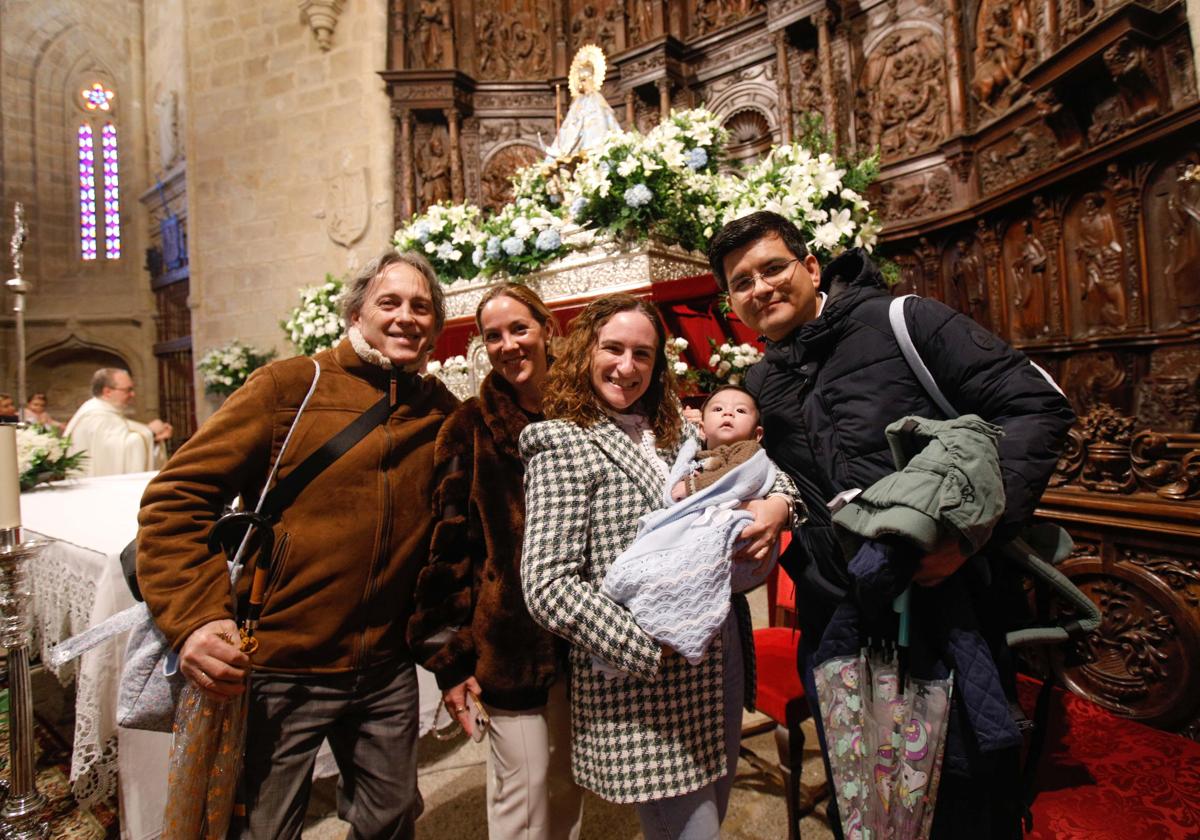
902 606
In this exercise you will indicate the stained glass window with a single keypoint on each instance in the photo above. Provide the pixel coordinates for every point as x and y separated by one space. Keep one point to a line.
97 97
99 176
112 193
87 193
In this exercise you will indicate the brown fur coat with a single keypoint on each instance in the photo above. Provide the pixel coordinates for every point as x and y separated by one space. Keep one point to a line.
472 581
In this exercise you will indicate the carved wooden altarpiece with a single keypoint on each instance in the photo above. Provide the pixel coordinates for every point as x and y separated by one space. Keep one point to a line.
1034 158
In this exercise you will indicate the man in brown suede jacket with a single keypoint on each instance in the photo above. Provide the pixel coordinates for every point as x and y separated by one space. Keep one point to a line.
332 661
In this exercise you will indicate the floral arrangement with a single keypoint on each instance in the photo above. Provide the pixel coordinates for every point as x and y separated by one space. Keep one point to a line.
316 324
674 350
822 196
660 184
455 373
42 455
225 369
666 184
726 366
448 235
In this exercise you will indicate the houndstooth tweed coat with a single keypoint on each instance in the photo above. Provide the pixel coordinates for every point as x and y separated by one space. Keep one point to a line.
658 732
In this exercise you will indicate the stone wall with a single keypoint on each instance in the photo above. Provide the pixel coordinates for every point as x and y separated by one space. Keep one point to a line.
80 314
289 160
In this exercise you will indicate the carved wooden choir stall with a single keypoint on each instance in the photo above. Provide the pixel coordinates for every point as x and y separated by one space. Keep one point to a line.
1040 172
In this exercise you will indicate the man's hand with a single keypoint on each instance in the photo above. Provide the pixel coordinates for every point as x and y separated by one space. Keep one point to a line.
456 703
940 563
161 430
211 658
771 516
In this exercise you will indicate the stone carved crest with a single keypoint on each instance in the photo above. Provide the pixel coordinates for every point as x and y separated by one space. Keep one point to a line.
498 171
902 93
347 205
513 39
166 112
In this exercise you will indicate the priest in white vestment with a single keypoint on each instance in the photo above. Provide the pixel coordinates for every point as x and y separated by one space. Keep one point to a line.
113 443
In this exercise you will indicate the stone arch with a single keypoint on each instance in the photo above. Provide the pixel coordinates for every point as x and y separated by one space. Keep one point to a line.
756 94
63 369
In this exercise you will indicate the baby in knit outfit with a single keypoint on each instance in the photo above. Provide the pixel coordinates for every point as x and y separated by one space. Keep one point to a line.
731 431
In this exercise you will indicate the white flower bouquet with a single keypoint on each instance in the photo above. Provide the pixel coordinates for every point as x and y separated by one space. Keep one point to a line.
522 237
727 365
316 324
225 369
822 196
42 455
447 234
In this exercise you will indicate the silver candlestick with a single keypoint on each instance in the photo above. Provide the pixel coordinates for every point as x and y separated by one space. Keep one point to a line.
19 818
19 288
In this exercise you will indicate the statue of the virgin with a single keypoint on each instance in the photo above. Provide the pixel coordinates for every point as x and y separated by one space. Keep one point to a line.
590 118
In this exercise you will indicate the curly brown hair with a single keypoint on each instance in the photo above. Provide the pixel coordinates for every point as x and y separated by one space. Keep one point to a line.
568 392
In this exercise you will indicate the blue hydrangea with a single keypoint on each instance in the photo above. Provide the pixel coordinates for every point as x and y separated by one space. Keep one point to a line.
555 199
606 167
477 257
548 240
445 252
421 231
492 252
514 246
638 195
697 159
578 206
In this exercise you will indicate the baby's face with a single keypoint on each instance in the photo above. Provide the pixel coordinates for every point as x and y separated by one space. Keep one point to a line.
729 417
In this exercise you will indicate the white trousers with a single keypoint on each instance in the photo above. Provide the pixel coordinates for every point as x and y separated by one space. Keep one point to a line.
531 794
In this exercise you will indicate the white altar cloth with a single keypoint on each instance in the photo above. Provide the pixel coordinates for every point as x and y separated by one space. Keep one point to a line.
77 583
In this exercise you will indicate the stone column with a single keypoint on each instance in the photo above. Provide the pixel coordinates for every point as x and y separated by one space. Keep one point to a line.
664 97
456 168
783 79
955 67
630 110
407 173
822 19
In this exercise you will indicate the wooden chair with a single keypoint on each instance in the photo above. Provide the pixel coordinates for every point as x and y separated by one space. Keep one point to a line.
780 694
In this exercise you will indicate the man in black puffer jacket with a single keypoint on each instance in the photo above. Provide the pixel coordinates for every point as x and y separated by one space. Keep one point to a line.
833 378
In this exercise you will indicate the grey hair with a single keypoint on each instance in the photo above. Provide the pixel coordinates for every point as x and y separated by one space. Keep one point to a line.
355 294
105 378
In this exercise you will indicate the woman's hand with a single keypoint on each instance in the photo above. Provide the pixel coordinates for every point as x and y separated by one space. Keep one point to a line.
212 659
456 703
771 516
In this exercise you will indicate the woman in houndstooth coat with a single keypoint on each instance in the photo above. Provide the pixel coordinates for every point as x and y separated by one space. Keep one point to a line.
665 737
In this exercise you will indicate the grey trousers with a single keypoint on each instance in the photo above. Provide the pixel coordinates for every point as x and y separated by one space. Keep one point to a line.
370 719
698 815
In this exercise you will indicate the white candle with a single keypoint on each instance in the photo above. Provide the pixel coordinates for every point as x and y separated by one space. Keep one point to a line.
10 486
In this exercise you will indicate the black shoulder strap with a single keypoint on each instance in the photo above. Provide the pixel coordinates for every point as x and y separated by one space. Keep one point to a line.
290 486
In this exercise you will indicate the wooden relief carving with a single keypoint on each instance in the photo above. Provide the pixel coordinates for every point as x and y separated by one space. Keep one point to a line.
1025 262
964 266
639 21
431 35
498 171
1172 208
1005 47
1181 72
749 136
927 193
597 22
1076 15
1027 151
514 39
433 168
1095 267
806 82
1093 379
1168 464
710 15
1049 219
901 93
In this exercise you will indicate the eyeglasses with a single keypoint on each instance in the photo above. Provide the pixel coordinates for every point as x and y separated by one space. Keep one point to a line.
113 388
772 274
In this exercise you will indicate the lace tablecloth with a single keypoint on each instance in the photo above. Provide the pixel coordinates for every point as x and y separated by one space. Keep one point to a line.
77 583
